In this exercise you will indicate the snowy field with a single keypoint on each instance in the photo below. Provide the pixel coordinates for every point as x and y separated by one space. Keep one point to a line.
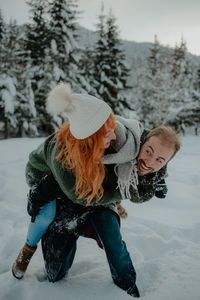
163 237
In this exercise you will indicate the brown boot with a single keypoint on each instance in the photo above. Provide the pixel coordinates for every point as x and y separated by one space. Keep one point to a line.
20 265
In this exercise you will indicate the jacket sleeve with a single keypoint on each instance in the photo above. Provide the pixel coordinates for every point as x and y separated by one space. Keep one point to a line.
149 186
42 193
142 194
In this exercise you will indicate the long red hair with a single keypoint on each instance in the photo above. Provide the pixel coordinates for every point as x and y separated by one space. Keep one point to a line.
84 158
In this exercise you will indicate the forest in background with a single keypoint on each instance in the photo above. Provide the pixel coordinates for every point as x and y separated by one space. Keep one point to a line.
163 89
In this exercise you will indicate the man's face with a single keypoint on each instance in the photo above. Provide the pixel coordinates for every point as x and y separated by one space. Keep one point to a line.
153 155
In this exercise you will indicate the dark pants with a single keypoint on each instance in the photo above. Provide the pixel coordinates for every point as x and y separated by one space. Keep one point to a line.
106 226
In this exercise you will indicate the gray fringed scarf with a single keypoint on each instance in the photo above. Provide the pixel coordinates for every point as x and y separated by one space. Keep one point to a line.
127 146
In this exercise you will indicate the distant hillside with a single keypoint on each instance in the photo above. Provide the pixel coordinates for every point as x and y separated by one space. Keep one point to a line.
134 50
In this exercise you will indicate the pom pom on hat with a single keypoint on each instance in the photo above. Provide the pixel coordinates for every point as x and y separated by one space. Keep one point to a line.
86 113
59 99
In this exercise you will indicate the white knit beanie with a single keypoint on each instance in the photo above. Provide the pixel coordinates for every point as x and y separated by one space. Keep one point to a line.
86 113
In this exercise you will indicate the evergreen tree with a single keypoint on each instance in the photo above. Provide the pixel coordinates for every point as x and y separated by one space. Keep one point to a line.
111 72
7 98
63 35
15 92
2 42
153 88
2 25
195 117
118 72
25 110
182 85
37 39
154 60
178 62
7 83
100 55
87 74
182 68
36 45
197 81
165 89
51 72
181 72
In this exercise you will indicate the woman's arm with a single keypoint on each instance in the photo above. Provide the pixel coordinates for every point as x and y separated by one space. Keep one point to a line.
42 193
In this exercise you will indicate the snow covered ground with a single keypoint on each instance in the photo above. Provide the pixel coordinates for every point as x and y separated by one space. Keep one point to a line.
163 237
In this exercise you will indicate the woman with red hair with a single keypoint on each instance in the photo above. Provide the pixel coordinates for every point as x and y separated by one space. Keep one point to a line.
73 176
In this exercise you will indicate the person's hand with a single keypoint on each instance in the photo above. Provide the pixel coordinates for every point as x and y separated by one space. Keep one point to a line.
121 210
161 189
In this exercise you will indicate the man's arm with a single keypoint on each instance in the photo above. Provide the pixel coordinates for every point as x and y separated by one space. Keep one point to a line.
149 186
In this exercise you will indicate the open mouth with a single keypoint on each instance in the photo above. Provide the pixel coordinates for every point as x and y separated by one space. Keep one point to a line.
143 167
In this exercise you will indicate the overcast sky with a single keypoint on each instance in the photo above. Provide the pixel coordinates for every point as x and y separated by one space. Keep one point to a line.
138 20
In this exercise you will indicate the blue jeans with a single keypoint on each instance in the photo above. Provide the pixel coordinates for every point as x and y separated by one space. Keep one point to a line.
42 221
106 226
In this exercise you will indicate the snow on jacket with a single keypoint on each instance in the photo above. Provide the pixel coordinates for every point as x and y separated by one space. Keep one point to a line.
71 221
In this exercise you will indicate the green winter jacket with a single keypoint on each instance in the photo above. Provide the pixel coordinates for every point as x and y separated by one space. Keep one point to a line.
42 161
